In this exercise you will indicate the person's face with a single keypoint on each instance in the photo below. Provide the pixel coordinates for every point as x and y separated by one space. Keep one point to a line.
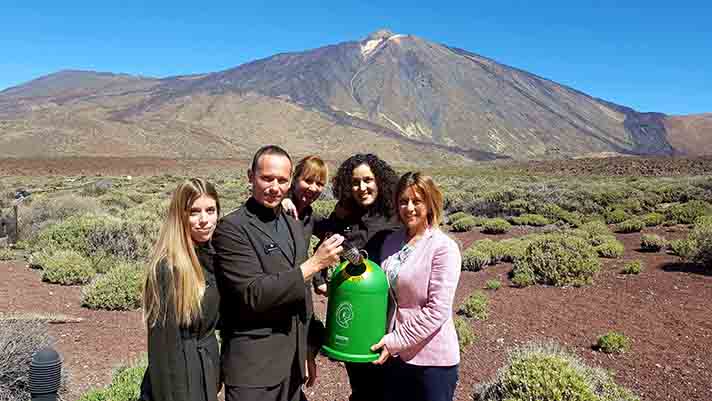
308 189
363 186
412 210
202 218
270 182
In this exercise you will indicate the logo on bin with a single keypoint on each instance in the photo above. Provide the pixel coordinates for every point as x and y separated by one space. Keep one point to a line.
344 314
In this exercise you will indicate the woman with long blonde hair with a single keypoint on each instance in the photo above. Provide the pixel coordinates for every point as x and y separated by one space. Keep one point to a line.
181 300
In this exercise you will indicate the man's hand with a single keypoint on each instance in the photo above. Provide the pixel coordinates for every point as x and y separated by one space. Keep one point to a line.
385 354
325 256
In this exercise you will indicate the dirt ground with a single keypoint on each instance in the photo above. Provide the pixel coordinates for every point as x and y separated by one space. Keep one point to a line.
665 311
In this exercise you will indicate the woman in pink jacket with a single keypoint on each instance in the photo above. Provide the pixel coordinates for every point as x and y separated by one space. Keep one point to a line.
423 271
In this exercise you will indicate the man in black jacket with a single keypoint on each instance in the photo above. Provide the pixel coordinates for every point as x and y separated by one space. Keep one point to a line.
266 306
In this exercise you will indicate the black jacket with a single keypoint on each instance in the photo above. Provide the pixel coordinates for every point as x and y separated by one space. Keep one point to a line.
183 363
266 307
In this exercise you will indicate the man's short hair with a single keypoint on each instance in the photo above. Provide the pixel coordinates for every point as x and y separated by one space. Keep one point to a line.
269 150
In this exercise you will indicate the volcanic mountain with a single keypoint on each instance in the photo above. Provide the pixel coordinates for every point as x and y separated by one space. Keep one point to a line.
401 96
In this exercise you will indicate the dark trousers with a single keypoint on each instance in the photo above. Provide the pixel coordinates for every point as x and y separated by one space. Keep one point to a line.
419 383
290 389
367 381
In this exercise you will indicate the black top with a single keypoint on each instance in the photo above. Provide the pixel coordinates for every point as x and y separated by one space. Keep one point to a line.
363 230
183 362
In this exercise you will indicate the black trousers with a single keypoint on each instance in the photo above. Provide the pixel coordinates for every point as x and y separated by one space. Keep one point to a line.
367 381
419 383
289 389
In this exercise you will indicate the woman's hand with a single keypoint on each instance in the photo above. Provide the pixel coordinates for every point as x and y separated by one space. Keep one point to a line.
385 354
290 208
322 289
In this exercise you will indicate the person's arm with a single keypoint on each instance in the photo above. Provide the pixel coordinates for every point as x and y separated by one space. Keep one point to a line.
444 275
168 372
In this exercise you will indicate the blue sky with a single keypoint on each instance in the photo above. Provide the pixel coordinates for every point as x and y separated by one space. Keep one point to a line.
650 55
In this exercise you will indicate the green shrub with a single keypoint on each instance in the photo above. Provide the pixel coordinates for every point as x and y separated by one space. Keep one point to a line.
630 226
457 216
613 342
465 224
653 219
322 208
493 284
652 242
701 241
475 306
536 220
546 372
67 268
557 259
119 289
496 226
46 210
683 248
70 233
474 259
513 248
632 267
465 334
616 216
610 248
125 385
687 213
596 232
494 249
6 254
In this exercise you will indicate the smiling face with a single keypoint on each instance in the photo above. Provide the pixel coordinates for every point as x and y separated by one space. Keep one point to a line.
202 217
413 210
270 182
364 187
307 190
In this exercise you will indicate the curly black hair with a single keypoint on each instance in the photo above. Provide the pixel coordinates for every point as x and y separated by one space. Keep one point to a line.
386 179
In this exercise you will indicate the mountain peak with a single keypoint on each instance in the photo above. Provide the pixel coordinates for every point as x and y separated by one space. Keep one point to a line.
380 34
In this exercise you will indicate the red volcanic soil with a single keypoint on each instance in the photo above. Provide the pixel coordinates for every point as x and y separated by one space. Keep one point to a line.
666 311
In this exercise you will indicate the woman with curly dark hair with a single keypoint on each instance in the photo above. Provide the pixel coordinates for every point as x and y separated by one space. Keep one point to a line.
364 186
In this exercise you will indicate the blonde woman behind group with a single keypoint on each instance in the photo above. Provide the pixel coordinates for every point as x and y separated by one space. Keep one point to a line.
181 301
423 269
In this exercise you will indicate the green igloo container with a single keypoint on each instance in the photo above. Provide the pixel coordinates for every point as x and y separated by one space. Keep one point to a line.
356 312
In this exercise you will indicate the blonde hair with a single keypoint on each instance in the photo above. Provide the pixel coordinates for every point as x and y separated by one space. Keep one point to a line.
175 283
425 186
311 167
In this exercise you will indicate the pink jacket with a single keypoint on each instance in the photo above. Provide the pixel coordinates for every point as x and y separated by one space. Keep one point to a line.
421 329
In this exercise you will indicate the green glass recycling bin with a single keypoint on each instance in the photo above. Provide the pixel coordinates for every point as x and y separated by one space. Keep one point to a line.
356 312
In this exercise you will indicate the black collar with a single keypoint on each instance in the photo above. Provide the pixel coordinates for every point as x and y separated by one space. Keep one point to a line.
262 212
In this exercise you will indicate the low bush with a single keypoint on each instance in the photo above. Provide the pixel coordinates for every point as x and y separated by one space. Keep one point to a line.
70 233
652 242
475 306
456 216
119 289
494 249
496 226
493 284
610 248
513 248
474 259
67 268
465 224
653 219
465 334
701 242
536 220
46 210
630 226
322 208
632 267
687 213
19 340
613 343
616 216
557 259
683 248
547 372
6 253
125 385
